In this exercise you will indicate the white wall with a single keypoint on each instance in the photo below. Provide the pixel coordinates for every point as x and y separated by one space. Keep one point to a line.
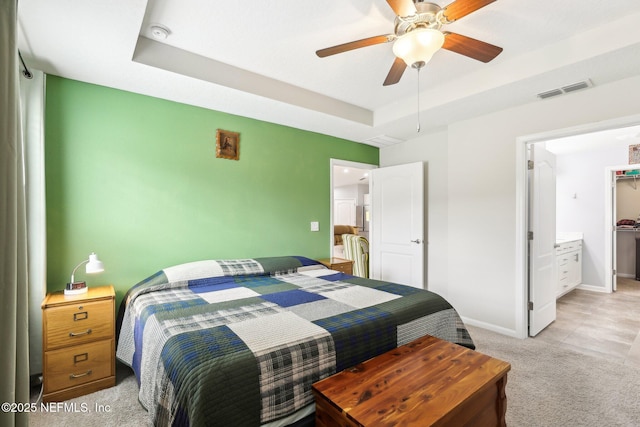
583 174
355 191
432 150
485 280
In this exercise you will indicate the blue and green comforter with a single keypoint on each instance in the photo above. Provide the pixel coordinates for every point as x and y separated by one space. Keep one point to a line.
239 342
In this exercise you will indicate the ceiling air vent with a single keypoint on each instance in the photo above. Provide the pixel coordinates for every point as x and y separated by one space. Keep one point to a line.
566 89
577 86
382 141
550 93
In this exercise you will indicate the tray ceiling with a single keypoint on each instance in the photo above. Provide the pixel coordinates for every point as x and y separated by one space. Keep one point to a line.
257 58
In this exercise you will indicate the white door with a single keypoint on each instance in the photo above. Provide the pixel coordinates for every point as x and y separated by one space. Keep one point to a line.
397 224
344 211
543 278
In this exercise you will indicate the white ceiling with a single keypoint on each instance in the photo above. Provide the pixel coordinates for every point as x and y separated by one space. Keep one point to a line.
343 176
609 139
257 58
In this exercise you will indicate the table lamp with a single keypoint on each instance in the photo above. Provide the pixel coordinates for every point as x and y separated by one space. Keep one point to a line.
94 265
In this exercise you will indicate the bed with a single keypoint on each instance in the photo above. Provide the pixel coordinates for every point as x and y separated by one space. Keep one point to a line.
239 342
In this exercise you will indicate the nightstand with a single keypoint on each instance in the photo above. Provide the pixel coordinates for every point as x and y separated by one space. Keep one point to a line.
338 264
78 343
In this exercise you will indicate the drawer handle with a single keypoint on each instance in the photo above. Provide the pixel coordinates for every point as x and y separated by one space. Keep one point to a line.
80 316
78 334
74 376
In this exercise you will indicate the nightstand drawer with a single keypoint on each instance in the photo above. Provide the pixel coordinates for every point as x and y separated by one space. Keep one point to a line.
78 365
344 268
77 323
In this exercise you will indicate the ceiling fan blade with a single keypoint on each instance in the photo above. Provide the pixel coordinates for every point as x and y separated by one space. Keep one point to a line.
472 48
370 41
403 7
461 8
395 73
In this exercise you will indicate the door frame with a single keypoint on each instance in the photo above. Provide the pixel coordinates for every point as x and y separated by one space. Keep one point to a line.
522 206
345 163
609 219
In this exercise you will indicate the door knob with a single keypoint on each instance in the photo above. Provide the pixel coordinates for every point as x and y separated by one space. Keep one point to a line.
418 241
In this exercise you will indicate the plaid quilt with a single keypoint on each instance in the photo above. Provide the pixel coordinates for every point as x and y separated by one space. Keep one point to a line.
239 342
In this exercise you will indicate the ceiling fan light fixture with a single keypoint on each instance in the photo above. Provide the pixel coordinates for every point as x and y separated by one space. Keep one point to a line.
418 46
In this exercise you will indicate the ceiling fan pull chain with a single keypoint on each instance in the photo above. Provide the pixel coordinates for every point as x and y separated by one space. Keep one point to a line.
418 131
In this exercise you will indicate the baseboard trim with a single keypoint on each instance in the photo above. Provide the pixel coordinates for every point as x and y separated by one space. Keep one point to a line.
592 288
490 327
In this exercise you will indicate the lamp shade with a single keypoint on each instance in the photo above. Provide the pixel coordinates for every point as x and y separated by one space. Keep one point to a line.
418 46
94 265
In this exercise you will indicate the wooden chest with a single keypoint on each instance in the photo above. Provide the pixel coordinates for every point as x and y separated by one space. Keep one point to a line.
428 382
78 343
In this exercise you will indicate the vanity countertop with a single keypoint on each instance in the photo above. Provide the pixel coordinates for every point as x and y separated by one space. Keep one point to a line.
568 237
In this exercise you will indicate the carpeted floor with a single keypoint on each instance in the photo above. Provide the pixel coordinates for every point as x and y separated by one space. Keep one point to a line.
115 406
551 385
548 385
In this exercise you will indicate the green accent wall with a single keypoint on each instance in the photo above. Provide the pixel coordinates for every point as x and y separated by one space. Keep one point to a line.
136 180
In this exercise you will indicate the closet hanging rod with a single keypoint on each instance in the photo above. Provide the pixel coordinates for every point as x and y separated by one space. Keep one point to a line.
25 71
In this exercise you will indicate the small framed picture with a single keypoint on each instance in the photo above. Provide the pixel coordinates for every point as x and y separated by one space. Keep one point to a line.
634 154
227 144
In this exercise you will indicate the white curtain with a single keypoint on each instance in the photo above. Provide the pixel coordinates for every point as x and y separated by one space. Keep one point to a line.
14 350
32 97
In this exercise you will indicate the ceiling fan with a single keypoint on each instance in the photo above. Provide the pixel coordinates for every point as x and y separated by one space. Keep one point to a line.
417 35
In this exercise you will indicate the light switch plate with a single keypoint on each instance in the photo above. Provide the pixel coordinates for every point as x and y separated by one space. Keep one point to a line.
315 226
